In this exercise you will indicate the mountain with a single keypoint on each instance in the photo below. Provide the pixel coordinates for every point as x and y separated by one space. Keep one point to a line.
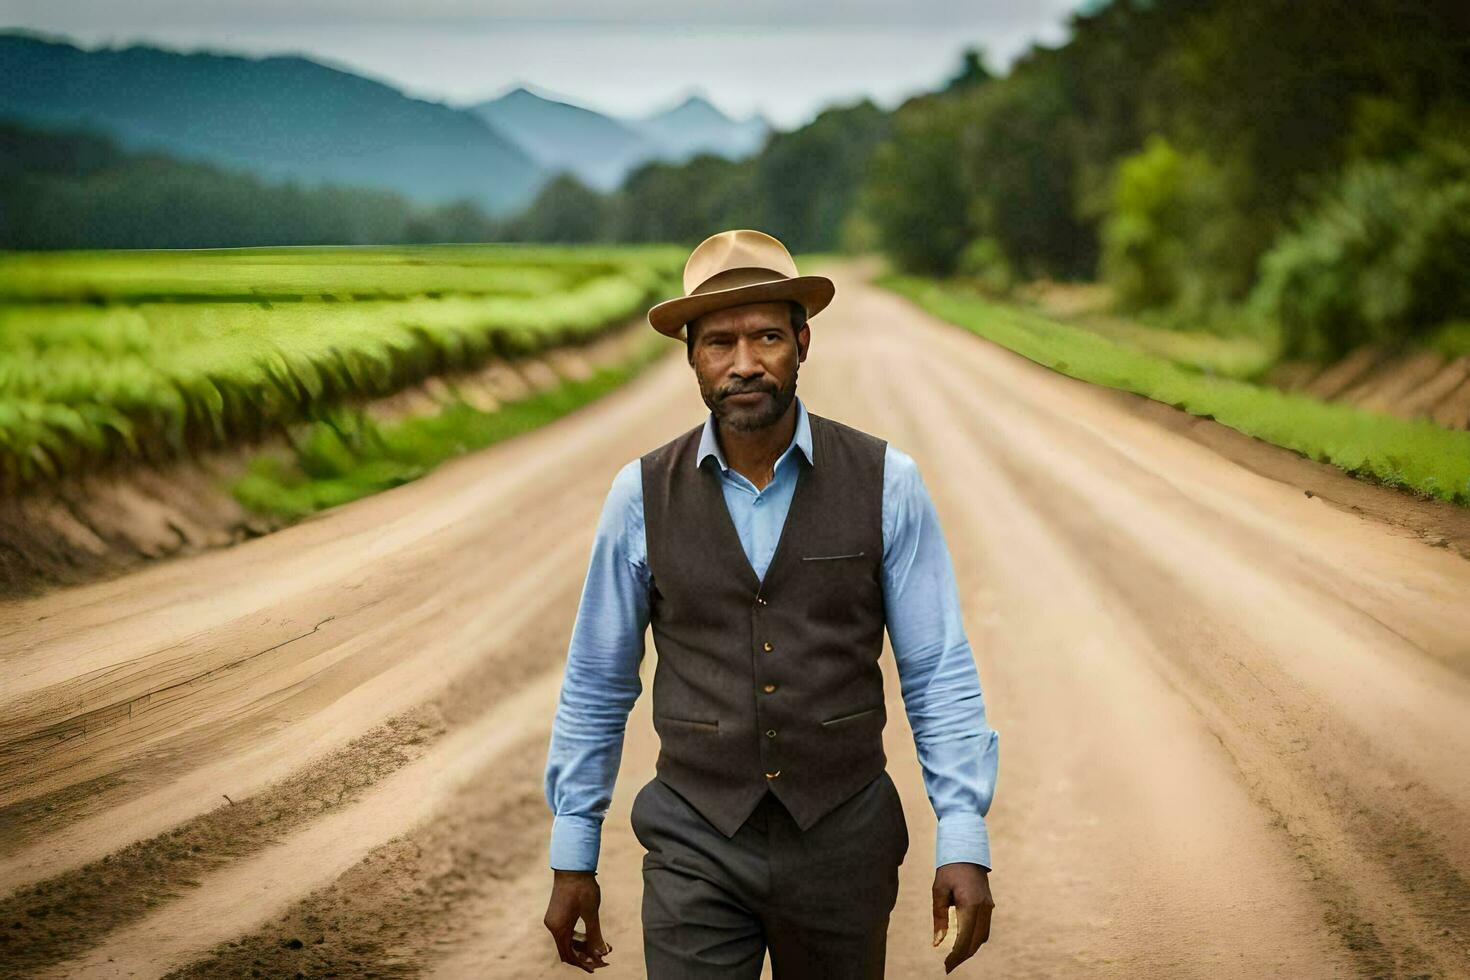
279 117
695 126
600 149
560 136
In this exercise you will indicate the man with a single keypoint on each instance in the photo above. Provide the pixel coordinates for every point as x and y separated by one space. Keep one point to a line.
768 548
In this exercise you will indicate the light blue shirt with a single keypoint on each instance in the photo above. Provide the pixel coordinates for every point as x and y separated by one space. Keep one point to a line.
938 680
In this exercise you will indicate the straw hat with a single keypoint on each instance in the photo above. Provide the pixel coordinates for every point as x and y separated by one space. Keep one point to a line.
734 267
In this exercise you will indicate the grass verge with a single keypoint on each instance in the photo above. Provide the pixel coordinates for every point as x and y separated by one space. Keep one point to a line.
1242 357
1414 455
346 455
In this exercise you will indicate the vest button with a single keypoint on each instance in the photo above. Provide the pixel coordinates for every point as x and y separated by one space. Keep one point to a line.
760 600
773 775
768 648
770 733
769 688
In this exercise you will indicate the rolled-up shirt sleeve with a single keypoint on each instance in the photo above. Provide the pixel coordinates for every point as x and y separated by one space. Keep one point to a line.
601 681
957 748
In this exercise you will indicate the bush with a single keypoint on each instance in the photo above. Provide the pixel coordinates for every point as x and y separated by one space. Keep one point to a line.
1172 238
985 262
1383 258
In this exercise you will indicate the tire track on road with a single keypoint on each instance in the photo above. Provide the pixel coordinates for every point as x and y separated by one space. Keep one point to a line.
1215 696
1381 810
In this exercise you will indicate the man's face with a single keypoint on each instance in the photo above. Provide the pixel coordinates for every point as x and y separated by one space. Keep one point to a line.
746 359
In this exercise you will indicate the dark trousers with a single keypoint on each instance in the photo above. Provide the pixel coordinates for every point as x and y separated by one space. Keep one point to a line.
819 899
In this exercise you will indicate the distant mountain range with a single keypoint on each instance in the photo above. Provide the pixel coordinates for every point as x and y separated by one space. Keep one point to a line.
290 117
601 149
694 126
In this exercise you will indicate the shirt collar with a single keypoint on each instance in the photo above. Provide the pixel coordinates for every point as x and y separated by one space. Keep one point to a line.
802 438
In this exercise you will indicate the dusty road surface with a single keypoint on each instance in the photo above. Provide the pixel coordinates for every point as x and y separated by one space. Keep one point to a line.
1234 718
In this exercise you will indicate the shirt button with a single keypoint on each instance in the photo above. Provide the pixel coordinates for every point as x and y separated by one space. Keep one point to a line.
769 688
770 733
768 648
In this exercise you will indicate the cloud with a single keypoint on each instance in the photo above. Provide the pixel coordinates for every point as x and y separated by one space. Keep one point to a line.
999 14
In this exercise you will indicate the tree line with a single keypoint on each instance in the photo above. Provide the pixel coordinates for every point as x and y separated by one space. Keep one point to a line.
1219 163
72 188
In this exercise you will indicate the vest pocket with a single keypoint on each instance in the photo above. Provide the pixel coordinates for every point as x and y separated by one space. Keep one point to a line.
855 554
849 717
712 725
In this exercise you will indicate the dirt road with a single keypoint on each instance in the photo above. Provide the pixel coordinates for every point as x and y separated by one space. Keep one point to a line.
1233 717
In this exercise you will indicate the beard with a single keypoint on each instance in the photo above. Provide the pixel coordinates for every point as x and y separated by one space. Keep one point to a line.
748 418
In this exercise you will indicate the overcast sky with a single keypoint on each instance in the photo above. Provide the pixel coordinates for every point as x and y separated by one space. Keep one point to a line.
787 60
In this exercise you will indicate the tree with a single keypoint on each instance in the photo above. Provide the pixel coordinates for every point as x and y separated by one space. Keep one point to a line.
972 71
807 180
915 193
565 210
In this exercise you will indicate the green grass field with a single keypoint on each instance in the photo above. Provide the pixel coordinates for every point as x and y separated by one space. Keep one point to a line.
150 355
1413 455
346 455
1241 357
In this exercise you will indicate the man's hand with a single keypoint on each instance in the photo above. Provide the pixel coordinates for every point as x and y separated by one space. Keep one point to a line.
574 895
967 887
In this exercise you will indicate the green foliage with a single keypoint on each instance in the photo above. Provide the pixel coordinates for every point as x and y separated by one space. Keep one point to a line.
988 160
1414 455
801 188
565 211
1170 237
73 189
685 203
1017 168
1382 129
807 180
984 263
859 234
1383 256
1452 340
1167 142
1143 254
973 70
1231 353
346 455
110 356
915 191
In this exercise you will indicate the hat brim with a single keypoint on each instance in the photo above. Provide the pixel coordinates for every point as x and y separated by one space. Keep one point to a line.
812 292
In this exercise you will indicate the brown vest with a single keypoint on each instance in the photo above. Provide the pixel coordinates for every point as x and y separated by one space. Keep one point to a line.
770 683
